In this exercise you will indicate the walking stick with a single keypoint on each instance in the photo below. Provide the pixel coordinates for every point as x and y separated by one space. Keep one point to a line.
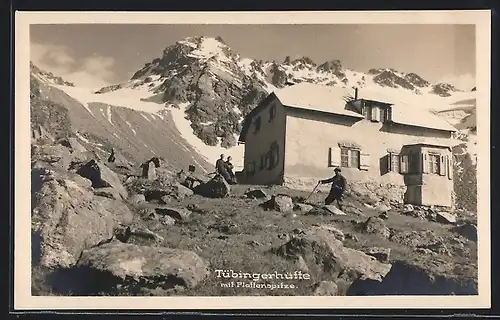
312 192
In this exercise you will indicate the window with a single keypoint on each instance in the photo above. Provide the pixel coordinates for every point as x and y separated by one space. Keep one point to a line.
263 162
366 111
273 156
257 125
344 157
354 158
383 115
349 158
394 162
434 163
413 163
272 112
251 168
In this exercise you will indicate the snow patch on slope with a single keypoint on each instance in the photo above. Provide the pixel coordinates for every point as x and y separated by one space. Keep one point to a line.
131 128
108 113
210 153
78 135
126 97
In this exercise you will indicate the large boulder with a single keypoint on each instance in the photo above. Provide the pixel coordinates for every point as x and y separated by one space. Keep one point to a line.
446 217
56 155
334 210
102 177
40 135
176 213
158 267
468 230
255 194
280 202
325 254
302 207
217 187
326 288
376 225
68 218
73 145
180 191
382 254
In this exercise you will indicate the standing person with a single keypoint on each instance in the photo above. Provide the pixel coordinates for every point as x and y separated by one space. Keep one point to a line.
338 187
229 168
221 168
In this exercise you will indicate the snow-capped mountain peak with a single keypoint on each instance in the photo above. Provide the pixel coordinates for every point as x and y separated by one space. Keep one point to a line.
210 88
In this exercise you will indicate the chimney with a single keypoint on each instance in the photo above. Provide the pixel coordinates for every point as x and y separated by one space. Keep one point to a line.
355 93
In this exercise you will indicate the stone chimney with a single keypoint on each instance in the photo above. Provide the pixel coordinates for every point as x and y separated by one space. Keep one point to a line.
355 93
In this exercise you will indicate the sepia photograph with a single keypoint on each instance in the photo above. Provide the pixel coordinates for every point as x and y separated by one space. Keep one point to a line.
300 159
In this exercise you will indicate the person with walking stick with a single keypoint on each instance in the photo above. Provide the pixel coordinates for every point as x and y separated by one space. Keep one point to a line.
338 187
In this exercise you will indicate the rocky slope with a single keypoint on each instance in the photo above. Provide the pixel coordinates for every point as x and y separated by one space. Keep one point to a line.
99 231
163 234
101 127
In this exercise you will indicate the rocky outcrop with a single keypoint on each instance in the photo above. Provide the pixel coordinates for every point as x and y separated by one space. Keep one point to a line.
73 145
280 203
68 218
468 230
217 187
406 278
55 154
326 288
150 267
102 177
255 194
376 225
176 213
443 89
40 135
325 254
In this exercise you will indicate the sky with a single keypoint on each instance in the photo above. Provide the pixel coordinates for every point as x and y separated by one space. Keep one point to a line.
95 55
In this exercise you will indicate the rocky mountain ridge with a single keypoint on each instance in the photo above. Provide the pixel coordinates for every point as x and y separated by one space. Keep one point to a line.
210 88
102 127
217 87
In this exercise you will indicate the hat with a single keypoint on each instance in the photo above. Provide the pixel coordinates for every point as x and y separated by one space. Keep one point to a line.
337 169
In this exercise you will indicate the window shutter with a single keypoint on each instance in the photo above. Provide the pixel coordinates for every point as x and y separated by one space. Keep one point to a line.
442 166
450 167
389 114
334 157
375 113
425 162
388 163
364 161
403 165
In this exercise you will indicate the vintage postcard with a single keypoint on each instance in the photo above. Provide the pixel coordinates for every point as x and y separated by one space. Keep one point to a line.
252 160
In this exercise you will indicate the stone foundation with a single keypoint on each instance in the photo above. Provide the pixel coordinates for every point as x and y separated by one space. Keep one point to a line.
371 190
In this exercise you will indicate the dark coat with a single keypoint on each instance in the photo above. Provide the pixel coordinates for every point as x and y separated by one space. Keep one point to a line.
338 183
220 166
